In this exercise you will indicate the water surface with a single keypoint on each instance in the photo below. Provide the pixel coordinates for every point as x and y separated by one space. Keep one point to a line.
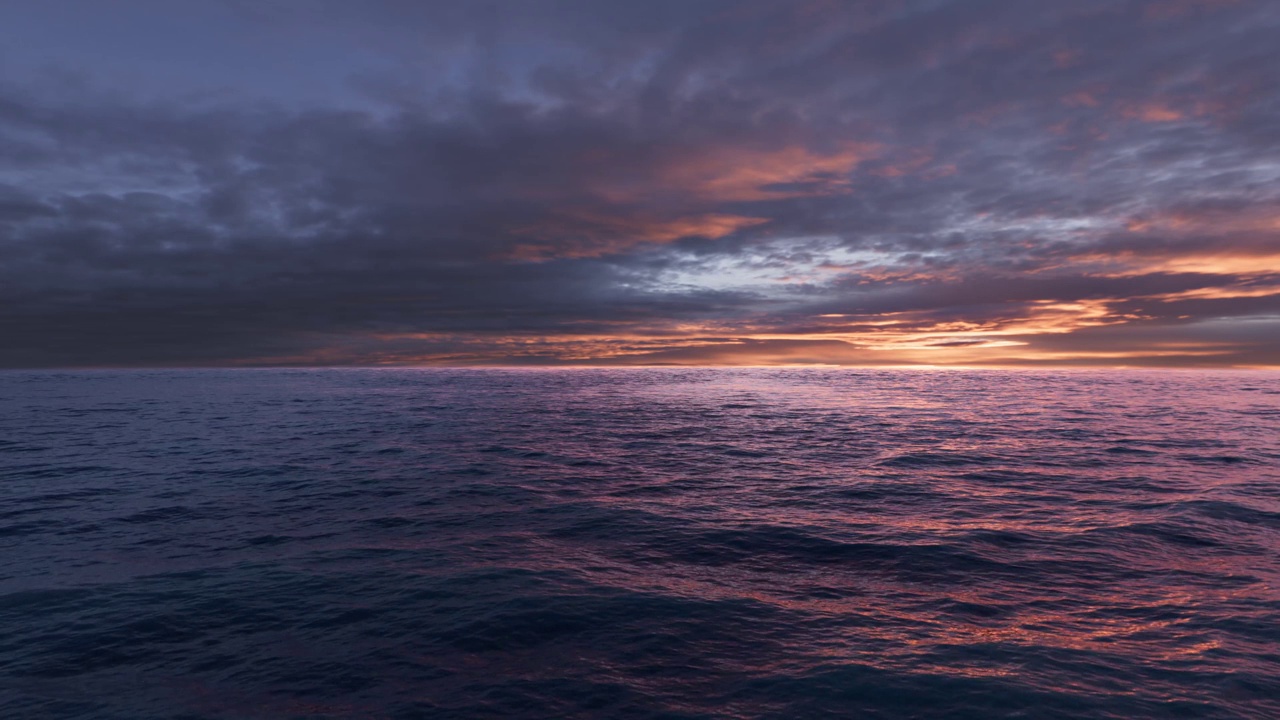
639 544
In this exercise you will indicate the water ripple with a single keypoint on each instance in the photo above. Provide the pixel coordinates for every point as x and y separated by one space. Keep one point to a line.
677 543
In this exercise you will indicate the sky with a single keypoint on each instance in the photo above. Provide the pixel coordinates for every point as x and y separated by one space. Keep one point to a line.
669 182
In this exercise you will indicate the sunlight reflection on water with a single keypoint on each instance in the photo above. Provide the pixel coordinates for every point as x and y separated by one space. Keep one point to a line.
639 543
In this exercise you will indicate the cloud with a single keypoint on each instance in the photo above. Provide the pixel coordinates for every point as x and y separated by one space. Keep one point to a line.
692 182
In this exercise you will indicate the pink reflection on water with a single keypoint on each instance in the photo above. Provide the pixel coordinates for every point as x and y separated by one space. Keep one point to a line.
1104 473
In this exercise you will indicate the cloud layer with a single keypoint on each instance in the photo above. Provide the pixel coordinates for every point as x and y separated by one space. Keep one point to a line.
890 182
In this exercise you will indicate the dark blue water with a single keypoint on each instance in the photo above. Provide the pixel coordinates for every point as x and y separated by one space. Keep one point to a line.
639 544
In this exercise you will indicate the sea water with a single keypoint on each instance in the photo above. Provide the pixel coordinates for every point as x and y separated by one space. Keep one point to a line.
657 543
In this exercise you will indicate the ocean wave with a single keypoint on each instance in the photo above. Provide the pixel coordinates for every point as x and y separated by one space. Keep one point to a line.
676 543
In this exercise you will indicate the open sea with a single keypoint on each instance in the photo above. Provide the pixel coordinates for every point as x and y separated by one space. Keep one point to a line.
666 543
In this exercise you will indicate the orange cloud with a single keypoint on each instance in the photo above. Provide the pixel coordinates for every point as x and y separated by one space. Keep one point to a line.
1216 293
900 338
1225 263
1249 244
916 332
1153 112
1131 263
583 233
746 175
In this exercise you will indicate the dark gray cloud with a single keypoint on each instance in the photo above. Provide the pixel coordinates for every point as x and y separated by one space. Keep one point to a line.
567 182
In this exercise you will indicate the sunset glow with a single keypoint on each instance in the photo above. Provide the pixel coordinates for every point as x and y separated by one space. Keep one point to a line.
860 183
639 359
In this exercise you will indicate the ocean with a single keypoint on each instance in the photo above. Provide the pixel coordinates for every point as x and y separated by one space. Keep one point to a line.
639 543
